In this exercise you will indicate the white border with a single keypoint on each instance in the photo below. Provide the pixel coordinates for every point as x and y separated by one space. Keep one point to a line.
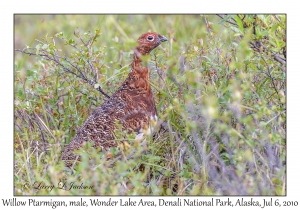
8 8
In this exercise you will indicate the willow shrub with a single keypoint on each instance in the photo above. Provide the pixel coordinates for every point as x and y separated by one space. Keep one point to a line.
220 94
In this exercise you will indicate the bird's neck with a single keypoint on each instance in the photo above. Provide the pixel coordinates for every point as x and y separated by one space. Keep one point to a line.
137 66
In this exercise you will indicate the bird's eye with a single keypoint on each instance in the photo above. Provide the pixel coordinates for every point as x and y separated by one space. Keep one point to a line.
150 38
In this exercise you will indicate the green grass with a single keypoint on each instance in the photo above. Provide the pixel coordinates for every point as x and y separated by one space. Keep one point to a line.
222 105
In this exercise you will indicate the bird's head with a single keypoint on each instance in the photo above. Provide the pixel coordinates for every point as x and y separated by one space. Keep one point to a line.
149 41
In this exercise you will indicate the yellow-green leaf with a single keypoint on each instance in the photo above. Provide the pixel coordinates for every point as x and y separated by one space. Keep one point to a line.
239 22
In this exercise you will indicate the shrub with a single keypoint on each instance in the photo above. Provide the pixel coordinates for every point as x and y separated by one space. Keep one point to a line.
220 90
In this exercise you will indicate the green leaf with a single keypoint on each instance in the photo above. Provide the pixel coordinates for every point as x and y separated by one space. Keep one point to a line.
71 41
60 34
227 17
45 46
262 18
38 46
274 28
239 22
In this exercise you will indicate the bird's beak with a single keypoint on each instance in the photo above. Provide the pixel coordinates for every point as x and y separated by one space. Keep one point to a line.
163 39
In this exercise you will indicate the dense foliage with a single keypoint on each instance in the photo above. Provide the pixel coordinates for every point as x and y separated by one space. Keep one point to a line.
220 89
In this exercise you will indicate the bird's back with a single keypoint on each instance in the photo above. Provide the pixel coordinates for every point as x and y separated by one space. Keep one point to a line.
132 105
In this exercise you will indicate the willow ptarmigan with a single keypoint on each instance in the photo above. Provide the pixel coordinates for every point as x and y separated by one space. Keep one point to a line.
132 105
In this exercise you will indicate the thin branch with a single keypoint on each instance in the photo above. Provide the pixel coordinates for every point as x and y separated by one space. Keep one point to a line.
49 58
207 26
269 75
87 61
257 46
41 131
101 91
56 59
228 21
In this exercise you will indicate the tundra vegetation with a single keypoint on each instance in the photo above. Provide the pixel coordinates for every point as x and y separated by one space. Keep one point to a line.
220 89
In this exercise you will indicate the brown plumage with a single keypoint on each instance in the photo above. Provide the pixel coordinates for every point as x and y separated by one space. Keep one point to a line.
132 105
